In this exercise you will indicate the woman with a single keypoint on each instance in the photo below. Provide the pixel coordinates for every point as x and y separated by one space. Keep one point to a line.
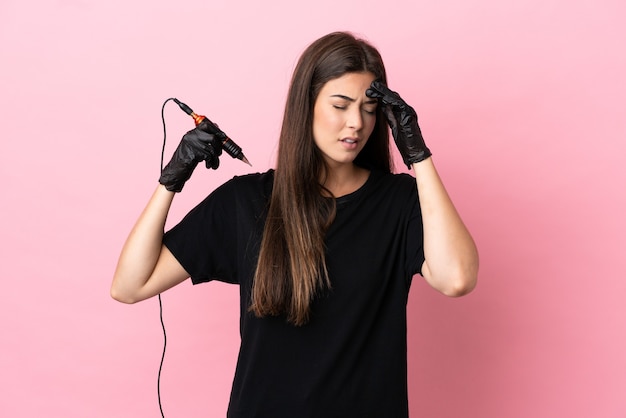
323 248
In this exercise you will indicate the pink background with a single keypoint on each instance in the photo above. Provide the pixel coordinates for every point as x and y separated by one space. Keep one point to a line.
522 103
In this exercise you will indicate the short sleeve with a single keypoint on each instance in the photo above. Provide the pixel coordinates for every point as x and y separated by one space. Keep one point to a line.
415 233
203 241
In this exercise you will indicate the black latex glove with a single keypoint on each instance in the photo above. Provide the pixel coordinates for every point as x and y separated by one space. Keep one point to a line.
403 122
196 145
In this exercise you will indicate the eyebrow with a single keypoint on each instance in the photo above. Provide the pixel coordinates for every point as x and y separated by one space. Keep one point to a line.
350 99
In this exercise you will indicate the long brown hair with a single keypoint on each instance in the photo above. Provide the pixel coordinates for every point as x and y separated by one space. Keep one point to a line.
292 265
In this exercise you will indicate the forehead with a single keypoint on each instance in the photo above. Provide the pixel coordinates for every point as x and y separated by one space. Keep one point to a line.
350 84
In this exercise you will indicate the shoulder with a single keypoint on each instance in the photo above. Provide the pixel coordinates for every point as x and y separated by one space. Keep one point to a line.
389 183
254 179
247 194
248 184
392 192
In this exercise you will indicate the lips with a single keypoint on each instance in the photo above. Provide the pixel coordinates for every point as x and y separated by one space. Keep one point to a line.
350 144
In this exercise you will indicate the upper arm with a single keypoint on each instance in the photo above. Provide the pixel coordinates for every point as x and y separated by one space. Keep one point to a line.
167 273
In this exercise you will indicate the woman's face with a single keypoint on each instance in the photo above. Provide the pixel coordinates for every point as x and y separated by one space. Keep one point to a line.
344 117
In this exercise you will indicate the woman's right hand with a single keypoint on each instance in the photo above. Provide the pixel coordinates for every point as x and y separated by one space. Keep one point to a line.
146 267
196 145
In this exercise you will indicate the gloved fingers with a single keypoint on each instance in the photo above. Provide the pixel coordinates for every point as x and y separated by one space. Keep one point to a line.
202 143
198 136
208 127
216 143
210 147
212 162
195 146
213 150
378 90
387 96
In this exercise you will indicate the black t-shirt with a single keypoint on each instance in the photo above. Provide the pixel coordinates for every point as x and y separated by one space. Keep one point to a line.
350 359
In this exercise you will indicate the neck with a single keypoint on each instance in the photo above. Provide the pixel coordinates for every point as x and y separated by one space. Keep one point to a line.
344 179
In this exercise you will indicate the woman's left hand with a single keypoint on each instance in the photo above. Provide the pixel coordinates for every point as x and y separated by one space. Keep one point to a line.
403 122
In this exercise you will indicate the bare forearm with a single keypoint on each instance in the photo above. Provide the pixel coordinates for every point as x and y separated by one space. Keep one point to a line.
142 249
451 256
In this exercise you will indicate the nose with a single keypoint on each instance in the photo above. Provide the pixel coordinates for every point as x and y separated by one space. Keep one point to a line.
355 119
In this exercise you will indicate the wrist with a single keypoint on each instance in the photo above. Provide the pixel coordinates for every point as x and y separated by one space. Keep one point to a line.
417 157
423 164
